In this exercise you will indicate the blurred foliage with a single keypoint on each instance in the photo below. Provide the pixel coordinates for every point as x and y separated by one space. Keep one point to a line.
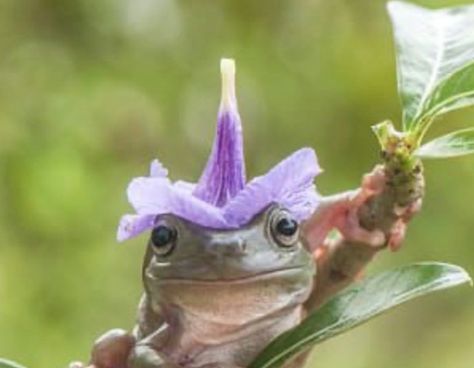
91 91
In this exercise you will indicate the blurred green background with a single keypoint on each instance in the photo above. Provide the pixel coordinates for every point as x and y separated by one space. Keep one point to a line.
92 90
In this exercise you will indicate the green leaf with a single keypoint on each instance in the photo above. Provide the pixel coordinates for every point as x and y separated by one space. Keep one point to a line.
9 364
458 143
455 92
432 46
358 304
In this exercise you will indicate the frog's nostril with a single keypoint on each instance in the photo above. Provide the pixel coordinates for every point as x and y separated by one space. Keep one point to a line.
241 245
229 247
236 247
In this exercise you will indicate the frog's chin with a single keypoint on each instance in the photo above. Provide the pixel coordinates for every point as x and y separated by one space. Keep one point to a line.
282 273
233 301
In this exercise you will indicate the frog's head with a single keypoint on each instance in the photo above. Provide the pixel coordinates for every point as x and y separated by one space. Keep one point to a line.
222 229
256 269
271 242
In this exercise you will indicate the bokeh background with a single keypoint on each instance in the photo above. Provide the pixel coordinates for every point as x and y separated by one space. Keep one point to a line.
92 90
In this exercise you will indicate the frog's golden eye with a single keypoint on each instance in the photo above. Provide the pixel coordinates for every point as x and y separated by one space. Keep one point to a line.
163 239
284 228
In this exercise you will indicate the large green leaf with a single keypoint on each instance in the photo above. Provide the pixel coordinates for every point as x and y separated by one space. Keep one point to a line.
458 143
9 364
358 304
432 45
455 92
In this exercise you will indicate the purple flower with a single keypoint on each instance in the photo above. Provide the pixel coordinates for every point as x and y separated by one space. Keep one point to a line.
221 199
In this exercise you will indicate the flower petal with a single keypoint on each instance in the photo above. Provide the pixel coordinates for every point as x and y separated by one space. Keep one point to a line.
185 185
132 225
157 170
224 174
289 184
156 196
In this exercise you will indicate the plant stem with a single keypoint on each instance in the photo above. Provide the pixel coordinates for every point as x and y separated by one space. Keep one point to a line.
404 185
403 173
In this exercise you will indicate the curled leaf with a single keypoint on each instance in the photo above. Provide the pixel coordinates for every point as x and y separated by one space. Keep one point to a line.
455 92
458 143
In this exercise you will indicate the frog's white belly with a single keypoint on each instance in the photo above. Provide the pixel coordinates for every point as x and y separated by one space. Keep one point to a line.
227 325
235 345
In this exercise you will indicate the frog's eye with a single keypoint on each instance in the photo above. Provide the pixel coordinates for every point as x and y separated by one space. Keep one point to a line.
284 228
163 239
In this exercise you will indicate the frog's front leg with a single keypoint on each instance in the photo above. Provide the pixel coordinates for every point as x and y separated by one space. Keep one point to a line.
119 349
368 219
111 350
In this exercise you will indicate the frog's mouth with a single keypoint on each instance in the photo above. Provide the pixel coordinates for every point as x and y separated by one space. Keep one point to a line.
280 274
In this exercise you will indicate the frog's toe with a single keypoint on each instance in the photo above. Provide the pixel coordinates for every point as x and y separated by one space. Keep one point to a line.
351 229
112 349
373 183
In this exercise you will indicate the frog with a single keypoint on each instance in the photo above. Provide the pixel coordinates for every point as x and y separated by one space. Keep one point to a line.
230 266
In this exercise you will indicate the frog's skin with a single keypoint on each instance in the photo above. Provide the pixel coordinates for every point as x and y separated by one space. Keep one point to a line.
220 296
215 299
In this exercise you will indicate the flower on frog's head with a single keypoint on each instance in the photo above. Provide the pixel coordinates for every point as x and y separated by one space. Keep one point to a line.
222 199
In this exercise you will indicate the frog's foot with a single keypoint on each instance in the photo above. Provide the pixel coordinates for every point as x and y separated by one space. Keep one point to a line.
349 223
351 230
340 211
111 350
372 185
